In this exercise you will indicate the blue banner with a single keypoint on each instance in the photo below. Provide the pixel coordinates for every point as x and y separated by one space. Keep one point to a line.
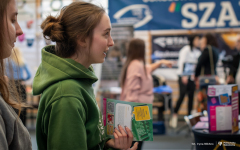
168 47
177 14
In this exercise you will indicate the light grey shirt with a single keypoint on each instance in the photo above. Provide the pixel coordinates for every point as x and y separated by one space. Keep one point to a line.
186 55
13 134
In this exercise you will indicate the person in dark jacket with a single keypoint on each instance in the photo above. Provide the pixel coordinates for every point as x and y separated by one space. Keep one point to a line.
204 67
204 58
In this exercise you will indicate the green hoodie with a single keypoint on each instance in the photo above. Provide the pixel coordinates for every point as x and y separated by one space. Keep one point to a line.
68 115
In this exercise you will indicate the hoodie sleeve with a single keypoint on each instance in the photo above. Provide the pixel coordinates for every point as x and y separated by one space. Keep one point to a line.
66 129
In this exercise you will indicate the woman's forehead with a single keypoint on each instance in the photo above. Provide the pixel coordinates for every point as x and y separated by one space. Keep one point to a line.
12 7
104 23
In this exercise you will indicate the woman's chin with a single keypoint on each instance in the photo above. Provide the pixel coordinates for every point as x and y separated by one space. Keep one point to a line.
7 53
101 61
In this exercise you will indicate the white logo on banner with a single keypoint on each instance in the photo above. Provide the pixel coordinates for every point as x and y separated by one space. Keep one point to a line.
138 21
166 41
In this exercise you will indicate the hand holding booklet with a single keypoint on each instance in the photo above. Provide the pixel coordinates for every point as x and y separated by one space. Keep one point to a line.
136 116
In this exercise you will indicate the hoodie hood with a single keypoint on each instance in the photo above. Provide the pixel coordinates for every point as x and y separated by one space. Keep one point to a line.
54 69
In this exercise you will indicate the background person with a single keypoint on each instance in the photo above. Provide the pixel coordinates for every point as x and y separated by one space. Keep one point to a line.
136 79
68 116
205 68
19 68
188 55
13 134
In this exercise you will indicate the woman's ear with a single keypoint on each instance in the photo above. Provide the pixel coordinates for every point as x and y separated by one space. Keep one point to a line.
81 42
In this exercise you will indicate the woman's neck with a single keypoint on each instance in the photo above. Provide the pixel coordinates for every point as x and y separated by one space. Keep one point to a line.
81 60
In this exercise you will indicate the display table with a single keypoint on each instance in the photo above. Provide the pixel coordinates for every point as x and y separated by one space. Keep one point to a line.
205 140
166 92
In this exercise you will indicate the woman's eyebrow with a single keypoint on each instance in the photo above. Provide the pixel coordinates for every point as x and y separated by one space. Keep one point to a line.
108 29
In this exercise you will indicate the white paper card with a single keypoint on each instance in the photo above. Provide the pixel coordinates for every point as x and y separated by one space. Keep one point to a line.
123 115
224 122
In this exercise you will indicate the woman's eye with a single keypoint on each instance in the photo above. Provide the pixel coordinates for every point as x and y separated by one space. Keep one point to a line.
107 33
14 19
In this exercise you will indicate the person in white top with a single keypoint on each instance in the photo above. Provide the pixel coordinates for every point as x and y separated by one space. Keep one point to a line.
187 61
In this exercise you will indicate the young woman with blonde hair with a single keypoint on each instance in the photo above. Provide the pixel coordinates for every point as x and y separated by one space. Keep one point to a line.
68 116
13 134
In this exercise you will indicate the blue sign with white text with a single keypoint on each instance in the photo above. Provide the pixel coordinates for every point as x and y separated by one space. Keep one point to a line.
179 14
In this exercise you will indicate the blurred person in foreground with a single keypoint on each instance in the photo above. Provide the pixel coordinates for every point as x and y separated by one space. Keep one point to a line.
206 68
188 56
136 79
234 74
13 134
19 68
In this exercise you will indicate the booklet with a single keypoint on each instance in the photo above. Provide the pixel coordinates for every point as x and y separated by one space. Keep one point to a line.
204 119
201 125
223 108
136 116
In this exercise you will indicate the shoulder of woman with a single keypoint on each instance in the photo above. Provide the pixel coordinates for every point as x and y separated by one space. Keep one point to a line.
16 133
136 63
205 49
196 50
2 103
8 113
185 48
215 48
135 67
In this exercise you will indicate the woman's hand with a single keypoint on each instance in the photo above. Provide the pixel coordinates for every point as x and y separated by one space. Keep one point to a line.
197 83
230 79
167 63
121 139
6 79
155 65
185 80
